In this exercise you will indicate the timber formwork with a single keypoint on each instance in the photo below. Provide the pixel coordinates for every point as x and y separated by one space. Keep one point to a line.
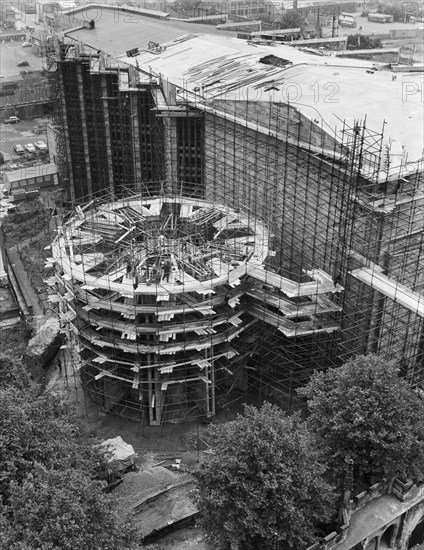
120 131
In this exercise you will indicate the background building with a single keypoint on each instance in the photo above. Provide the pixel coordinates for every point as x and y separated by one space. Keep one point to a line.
30 179
325 152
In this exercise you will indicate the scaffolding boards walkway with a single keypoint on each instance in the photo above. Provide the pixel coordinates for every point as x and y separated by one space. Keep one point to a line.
158 290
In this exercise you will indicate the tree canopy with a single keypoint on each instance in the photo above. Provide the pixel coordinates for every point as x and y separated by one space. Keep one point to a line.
366 412
392 9
291 19
62 509
50 495
13 373
263 486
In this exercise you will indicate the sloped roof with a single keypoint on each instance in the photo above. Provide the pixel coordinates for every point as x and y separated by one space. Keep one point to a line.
326 89
209 64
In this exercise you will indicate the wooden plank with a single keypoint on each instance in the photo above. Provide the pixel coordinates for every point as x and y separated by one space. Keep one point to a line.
392 289
289 328
290 288
290 309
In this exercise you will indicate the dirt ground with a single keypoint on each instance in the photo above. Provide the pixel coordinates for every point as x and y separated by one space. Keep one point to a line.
144 439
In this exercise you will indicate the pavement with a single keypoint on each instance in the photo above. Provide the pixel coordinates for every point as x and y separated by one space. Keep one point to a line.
20 133
13 53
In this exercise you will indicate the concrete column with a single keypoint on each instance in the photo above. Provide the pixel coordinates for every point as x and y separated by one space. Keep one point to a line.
107 128
135 134
149 388
84 127
171 155
63 134
158 397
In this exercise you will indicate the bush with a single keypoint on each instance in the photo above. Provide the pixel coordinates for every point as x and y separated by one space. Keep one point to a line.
27 221
391 9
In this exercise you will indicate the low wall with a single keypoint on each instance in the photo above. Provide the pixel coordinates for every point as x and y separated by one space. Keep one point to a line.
18 282
25 112
16 291
400 490
406 33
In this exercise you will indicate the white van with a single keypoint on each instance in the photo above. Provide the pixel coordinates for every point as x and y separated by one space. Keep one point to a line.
347 20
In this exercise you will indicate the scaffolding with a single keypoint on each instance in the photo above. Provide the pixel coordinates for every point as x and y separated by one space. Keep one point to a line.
154 289
354 210
337 213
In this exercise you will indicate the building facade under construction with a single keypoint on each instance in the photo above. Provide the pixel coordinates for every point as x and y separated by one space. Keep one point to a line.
276 195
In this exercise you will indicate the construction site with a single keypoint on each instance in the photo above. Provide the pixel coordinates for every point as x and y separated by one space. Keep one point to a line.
243 215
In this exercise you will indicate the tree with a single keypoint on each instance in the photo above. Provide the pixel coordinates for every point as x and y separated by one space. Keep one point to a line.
392 9
291 19
366 412
190 6
13 373
62 510
263 485
49 496
14 342
34 429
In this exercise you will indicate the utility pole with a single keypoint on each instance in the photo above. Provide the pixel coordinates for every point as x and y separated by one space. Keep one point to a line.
318 22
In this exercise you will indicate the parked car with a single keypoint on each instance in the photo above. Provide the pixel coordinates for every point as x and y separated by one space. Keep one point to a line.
40 145
12 120
27 45
23 64
380 17
19 150
30 147
14 165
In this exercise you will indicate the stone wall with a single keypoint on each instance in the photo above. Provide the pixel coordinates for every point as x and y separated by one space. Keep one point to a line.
412 522
396 533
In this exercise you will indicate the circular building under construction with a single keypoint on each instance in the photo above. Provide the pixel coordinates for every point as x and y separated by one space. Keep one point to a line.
150 290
